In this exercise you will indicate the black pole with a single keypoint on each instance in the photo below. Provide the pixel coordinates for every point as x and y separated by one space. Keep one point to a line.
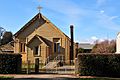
72 43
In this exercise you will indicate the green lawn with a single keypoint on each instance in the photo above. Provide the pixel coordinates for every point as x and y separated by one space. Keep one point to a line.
11 78
6 78
66 79
99 79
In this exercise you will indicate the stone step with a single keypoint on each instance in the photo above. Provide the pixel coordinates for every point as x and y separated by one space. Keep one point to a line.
51 65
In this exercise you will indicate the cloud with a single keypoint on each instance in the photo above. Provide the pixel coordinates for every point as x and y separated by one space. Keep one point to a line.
64 6
102 11
94 38
71 13
108 21
74 14
113 17
101 2
90 40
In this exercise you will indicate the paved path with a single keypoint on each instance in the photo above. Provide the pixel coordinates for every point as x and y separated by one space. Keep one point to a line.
45 77
42 77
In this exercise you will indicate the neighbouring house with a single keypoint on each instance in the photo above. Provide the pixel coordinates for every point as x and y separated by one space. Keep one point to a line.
41 39
7 48
86 47
118 43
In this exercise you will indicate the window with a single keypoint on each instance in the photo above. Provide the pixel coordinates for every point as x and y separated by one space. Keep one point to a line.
36 50
57 47
40 51
22 47
55 50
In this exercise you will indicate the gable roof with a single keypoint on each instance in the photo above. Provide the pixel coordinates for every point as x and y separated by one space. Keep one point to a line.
7 48
26 25
48 21
40 38
39 15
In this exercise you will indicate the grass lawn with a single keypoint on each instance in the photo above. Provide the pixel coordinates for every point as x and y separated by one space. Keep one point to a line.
65 79
99 79
11 78
6 78
58 78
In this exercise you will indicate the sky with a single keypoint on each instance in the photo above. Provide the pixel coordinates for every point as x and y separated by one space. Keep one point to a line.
92 19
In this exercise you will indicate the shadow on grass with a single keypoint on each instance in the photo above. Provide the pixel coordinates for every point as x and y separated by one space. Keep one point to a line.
66 79
49 79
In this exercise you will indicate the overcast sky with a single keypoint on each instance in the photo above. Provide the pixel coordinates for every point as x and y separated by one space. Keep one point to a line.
92 19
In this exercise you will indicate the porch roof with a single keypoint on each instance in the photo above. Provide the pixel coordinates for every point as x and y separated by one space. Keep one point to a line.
40 38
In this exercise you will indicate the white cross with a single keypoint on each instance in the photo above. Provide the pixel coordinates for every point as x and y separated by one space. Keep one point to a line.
39 7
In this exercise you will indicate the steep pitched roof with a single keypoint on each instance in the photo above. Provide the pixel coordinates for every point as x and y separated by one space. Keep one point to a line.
35 18
55 26
40 38
26 25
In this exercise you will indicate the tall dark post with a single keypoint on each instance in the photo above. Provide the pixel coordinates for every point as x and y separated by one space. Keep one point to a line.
72 43
37 65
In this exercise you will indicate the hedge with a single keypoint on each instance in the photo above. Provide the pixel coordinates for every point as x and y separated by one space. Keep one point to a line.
10 63
98 64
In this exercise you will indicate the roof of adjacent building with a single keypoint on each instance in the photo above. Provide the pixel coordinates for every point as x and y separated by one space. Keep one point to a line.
86 45
7 47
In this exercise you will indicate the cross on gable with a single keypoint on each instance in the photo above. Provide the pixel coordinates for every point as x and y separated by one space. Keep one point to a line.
39 7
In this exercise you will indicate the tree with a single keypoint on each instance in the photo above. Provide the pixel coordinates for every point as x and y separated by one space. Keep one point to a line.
80 50
2 31
7 37
112 46
105 47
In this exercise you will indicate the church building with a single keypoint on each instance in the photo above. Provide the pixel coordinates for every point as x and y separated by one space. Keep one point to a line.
40 39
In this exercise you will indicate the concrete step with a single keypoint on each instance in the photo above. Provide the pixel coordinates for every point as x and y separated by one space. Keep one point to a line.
51 65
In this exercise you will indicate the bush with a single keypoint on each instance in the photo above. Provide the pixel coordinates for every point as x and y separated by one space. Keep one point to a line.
99 64
10 63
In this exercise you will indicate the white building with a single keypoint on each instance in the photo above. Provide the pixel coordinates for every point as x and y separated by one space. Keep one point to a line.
118 43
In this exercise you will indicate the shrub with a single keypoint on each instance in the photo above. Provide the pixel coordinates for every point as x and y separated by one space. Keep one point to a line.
10 63
105 47
99 64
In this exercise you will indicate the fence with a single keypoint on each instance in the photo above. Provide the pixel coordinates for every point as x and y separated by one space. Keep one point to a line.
55 66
